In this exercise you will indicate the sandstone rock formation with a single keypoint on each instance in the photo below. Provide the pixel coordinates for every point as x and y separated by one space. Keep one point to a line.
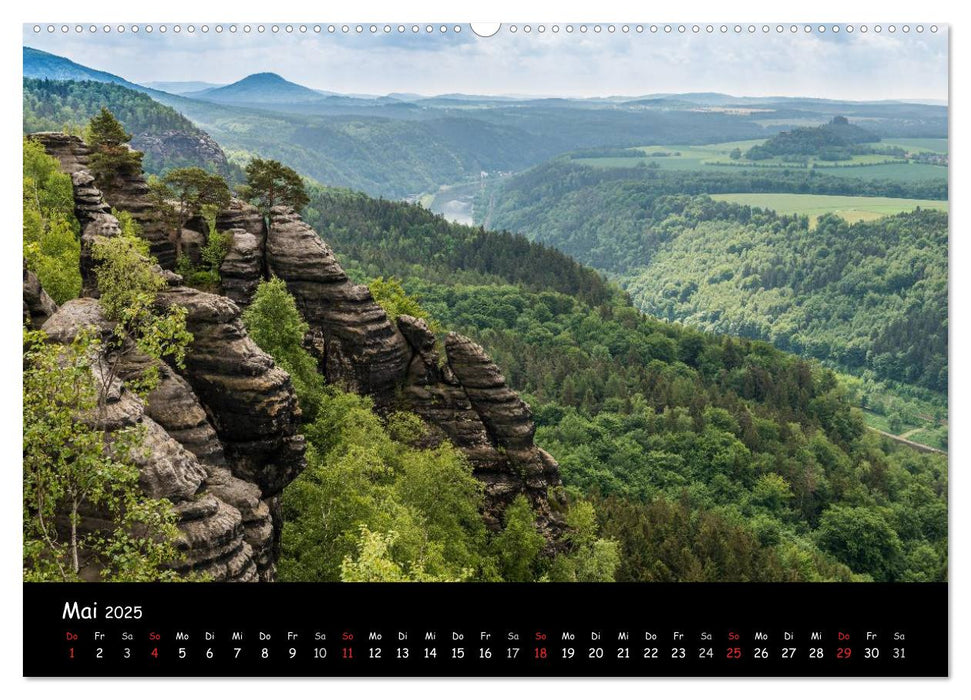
128 192
90 208
351 334
236 412
467 401
250 401
215 538
176 146
38 306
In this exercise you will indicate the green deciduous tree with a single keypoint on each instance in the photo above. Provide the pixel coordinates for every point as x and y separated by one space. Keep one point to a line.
72 467
391 296
52 248
862 539
370 505
273 321
129 283
519 544
590 558
374 562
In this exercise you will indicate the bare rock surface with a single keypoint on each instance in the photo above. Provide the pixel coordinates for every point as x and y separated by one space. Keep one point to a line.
249 400
214 537
354 340
38 306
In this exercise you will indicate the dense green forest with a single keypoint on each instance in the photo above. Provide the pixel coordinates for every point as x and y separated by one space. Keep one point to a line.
708 456
391 237
373 507
52 105
572 206
868 296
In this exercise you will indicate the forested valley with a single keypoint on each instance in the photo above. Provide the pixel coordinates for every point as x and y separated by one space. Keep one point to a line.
703 453
867 298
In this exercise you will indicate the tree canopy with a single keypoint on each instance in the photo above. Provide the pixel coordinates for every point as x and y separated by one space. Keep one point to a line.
269 183
110 155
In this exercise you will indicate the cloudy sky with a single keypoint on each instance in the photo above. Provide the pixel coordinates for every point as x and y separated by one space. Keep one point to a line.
832 65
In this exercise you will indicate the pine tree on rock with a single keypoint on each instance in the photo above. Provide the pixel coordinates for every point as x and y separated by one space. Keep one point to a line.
111 156
193 189
269 183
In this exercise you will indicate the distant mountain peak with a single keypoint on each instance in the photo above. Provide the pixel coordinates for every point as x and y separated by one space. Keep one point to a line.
259 88
267 77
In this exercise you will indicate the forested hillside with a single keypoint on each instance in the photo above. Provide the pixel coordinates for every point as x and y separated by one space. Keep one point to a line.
868 295
391 239
709 457
167 138
871 295
836 140
605 217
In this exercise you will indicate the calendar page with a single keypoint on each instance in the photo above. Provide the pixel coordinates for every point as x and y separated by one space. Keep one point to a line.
435 349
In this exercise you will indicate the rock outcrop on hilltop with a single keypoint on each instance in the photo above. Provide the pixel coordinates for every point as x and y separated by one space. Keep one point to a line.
234 413
350 333
224 489
222 431
174 148
466 401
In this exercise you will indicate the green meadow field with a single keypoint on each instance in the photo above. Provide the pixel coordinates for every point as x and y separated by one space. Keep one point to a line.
932 145
717 156
852 209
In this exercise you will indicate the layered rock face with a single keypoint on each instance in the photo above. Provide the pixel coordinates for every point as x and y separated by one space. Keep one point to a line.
174 146
350 333
252 409
465 399
250 401
462 397
249 404
70 151
222 432
128 192
215 537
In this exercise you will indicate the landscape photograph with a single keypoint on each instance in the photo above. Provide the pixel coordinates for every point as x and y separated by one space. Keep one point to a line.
567 303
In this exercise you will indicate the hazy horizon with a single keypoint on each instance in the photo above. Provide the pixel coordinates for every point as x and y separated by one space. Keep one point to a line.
830 66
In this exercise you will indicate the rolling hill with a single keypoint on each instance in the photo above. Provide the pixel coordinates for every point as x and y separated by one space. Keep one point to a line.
259 88
47 66
868 297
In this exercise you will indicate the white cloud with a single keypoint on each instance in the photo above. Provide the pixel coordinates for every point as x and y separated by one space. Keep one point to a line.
857 66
